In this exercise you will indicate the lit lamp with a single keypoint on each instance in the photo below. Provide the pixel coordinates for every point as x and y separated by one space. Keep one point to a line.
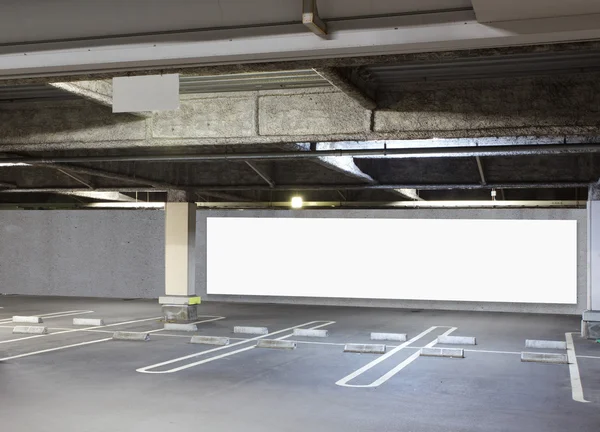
297 202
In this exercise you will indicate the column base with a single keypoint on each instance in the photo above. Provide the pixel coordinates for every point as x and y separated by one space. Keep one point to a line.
179 309
590 325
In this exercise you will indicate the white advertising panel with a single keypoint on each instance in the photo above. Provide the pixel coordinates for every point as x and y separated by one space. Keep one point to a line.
516 261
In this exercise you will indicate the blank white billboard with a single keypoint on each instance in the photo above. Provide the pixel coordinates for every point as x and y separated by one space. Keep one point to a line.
515 261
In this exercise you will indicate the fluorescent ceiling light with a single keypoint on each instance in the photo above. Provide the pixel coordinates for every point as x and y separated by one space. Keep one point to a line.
8 164
297 202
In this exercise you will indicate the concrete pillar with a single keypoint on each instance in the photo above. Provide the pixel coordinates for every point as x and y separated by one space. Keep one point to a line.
180 302
590 325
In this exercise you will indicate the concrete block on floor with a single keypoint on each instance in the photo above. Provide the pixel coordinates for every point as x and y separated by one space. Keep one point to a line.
544 358
276 344
180 313
545 344
251 330
399 337
590 329
30 330
181 327
443 352
88 322
210 340
311 333
131 336
365 348
27 319
457 340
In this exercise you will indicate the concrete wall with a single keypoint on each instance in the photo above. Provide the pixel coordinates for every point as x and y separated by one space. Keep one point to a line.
82 253
120 254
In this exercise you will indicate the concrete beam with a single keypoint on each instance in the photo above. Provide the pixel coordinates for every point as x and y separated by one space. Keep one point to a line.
101 196
412 194
347 166
344 85
342 164
550 106
98 91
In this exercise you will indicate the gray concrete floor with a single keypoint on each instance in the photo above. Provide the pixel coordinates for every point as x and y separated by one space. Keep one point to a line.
78 381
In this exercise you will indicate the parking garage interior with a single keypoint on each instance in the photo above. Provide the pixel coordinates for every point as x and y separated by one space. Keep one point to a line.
328 215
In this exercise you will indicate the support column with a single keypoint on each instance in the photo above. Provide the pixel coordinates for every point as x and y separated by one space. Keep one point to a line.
180 302
590 325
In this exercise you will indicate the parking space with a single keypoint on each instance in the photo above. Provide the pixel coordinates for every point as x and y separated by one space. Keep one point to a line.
315 386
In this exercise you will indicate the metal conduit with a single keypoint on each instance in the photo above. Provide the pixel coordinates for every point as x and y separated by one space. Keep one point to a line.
437 152
214 189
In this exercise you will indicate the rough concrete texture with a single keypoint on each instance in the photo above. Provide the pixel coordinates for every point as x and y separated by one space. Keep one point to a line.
180 313
209 340
590 329
534 106
208 117
457 340
528 214
521 106
545 344
99 91
71 124
365 348
131 336
251 330
26 319
544 358
88 322
443 352
181 327
30 330
276 344
82 253
312 114
311 333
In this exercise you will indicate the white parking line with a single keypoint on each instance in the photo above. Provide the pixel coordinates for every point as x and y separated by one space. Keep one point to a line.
211 318
576 387
344 381
55 315
588 357
148 369
78 330
54 349
91 329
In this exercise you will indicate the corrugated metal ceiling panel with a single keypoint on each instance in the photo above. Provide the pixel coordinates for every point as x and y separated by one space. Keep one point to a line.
32 93
390 76
251 82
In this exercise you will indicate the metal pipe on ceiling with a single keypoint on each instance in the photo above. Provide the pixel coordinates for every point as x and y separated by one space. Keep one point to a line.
307 205
440 186
213 190
435 152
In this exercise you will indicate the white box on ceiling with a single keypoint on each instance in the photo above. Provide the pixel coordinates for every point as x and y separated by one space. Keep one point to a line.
146 93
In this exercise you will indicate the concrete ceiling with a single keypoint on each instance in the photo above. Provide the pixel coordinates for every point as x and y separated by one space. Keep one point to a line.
262 90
